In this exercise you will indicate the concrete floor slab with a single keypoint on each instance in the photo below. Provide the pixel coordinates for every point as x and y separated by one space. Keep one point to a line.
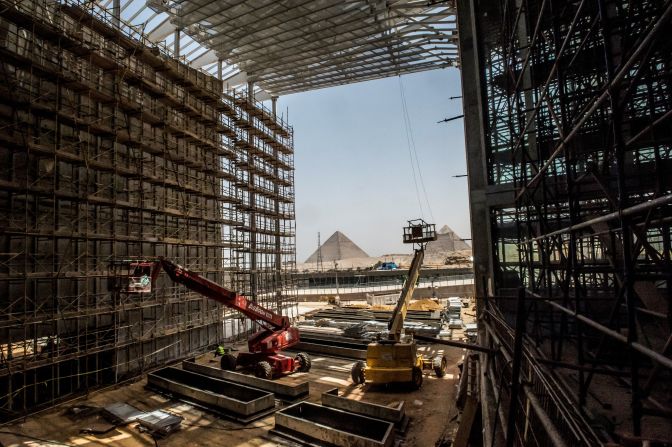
431 410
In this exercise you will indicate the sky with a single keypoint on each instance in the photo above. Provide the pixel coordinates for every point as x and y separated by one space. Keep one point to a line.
353 168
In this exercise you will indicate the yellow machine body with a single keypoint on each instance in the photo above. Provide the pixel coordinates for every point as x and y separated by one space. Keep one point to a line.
394 360
391 362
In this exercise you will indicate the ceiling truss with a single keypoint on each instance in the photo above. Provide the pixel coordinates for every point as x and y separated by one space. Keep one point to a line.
290 46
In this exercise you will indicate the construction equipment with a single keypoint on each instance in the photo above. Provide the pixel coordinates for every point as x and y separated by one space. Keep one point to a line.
264 346
141 277
394 359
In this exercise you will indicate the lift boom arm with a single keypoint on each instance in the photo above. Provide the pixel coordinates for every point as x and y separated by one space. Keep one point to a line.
397 322
231 299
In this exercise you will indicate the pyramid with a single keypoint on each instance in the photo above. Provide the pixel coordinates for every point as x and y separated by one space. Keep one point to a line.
338 247
447 240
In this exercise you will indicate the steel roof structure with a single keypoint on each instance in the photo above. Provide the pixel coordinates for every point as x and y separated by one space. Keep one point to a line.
298 45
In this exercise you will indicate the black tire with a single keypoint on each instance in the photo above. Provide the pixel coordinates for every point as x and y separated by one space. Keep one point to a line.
417 378
440 365
357 373
228 362
263 370
304 362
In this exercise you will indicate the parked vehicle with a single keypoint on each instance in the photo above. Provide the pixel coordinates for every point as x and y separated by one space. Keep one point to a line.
388 266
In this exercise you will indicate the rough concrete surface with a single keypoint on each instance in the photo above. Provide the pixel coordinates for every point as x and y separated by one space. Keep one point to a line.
431 410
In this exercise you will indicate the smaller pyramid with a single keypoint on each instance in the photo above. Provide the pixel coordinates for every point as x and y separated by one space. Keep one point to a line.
447 240
338 247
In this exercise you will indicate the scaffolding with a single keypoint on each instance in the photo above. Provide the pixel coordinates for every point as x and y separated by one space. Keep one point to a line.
571 103
111 151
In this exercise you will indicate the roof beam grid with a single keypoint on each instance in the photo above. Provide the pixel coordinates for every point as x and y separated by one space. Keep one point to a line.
364 52
404 55
389 69
296 87
341 27
313 47
304 44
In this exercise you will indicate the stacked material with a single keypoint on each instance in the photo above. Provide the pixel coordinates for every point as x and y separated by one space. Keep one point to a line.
371 330
157 422
454 313
433 316
347 332
305 328
382 299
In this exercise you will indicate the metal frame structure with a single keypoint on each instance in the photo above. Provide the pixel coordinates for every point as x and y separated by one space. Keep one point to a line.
111 152
567 108
297 46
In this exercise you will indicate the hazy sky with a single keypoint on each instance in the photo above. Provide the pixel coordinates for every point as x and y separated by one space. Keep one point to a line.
353 169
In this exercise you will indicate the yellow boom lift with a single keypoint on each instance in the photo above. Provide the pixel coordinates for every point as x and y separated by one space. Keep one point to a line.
396 360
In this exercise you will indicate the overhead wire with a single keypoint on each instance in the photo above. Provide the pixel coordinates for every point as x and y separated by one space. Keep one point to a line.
413 154
410 154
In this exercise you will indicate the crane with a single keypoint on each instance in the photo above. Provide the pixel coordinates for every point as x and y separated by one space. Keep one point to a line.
393 359
264 347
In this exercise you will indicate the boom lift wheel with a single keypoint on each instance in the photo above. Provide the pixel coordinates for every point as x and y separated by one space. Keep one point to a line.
357 373
263 370
439 364
304 362
228 362
417 378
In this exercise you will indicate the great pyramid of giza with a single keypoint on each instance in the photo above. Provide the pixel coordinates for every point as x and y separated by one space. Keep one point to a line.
338 247
447 241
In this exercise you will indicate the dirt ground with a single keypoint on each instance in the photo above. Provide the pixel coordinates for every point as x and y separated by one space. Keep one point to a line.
431 410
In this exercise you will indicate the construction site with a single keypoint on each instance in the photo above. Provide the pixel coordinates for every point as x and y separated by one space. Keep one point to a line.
150 291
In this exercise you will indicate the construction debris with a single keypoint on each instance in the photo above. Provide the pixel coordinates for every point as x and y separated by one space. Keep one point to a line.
121 413
160 423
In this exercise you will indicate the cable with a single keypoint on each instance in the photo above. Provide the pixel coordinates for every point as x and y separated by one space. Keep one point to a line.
408 144
413 153
34 438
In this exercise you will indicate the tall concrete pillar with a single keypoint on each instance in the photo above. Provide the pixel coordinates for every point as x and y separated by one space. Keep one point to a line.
116 12
477 169
176 43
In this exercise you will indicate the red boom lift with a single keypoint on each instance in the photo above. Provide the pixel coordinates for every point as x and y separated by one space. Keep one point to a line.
264 346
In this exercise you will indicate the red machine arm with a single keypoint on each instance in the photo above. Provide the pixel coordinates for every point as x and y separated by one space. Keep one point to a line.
265 345
214 291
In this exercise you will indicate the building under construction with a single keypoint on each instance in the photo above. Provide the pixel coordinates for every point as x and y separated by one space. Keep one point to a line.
134 130
567 108
114 152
